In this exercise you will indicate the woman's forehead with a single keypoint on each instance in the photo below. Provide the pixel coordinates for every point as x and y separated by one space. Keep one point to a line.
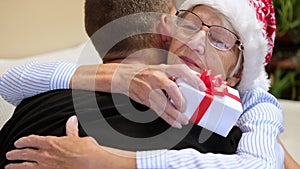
208 15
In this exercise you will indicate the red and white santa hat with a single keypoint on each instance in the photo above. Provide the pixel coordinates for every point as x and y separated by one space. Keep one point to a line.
254 22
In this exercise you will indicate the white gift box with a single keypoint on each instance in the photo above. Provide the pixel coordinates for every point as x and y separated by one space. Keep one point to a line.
215 113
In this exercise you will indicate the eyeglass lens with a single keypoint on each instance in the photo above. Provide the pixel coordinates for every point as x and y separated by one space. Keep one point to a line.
219 37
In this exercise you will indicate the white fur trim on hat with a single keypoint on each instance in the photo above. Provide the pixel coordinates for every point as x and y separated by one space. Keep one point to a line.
242 16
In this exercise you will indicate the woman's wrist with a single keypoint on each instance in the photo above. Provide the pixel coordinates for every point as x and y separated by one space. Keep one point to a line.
94 77
120 159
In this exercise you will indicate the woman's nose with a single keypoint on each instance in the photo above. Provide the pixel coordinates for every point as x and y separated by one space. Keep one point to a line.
197 42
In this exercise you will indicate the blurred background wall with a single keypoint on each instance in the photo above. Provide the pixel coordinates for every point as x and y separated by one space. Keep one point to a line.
31 27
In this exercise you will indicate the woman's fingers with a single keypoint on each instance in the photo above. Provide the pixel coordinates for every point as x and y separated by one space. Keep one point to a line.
166 110
186 74
32 141
160 104
72 126
174 94
153 86
23 154
23 165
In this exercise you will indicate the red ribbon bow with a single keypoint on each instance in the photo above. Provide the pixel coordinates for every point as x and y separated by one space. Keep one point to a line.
215 86
214 83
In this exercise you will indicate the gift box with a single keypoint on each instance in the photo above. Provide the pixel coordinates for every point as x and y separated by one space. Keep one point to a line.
217 109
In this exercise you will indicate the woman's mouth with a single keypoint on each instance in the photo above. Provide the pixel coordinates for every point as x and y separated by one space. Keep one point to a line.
190 63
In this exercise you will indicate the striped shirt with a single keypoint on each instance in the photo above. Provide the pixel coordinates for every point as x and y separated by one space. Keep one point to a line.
261 122
24 81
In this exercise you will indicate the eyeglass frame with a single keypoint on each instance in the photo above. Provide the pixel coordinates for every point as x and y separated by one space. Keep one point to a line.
237 42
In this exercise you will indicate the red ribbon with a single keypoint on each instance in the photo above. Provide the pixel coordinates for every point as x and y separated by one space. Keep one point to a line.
215 86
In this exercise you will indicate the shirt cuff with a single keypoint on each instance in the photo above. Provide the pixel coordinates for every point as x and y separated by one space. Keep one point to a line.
62 75
151 159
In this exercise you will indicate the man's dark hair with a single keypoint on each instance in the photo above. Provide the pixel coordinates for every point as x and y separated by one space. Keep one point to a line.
101 12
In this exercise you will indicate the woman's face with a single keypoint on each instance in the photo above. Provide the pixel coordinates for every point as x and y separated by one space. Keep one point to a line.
196 50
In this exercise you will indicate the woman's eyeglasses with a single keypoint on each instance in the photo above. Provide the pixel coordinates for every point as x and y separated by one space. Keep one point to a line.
219 37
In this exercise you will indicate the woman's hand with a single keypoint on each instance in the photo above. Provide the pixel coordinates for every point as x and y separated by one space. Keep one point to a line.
48 152
150 85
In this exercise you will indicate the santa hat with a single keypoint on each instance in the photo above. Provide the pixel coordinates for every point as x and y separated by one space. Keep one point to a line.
254 22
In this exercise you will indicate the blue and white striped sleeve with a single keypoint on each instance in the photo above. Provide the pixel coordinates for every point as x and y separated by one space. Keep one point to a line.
24 81
258 147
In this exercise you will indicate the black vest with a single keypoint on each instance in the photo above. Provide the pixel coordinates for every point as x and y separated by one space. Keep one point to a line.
112 119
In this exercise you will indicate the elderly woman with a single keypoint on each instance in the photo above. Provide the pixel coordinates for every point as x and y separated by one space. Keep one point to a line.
231 39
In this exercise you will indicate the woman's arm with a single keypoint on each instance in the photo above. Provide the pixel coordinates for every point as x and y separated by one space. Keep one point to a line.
145 84
289 162
24 81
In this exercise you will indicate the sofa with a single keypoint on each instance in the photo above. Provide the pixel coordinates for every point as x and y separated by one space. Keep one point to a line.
83 53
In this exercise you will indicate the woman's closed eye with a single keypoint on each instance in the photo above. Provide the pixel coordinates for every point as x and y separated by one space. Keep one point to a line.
219 44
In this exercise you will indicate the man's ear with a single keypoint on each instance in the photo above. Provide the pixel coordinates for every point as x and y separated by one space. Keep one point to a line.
164 29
